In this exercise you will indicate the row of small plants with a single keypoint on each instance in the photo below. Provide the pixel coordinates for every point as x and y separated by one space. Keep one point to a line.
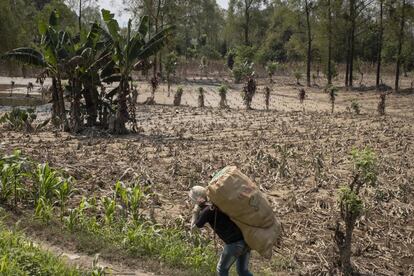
118 219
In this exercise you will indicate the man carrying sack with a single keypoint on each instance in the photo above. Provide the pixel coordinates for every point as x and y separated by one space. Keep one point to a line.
240 215
235 248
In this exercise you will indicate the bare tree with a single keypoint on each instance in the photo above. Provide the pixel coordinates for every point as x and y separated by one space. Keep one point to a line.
329 43
380 42
400 44
308 6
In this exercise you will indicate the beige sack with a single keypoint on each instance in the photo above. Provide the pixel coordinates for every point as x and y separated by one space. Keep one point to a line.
237 196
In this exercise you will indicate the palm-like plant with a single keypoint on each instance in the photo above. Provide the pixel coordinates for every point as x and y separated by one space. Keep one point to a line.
127 51
52 56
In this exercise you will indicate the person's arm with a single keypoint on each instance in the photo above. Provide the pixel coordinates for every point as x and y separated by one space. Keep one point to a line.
195 215
204 217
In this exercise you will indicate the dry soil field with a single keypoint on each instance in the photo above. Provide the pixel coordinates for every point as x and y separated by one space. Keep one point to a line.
280 149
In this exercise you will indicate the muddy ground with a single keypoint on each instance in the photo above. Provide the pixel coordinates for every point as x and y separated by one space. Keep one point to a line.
179 147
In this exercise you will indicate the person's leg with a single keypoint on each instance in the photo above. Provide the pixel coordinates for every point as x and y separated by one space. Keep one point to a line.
230 254
242 263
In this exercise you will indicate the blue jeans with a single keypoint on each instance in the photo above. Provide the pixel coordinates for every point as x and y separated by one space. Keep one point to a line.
237 252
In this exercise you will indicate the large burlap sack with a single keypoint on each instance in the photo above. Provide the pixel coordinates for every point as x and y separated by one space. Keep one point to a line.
261 239
237 196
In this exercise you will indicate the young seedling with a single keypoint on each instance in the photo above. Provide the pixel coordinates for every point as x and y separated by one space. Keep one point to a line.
203 66
154 86
302 95
356 107
12 84
170 68
267 97
318 165
381 104
223 96
200 97
332 95
360 71
12 170
230 59
109 208
285 154
63 193
29 88
249 91
351 205
178 95
271 68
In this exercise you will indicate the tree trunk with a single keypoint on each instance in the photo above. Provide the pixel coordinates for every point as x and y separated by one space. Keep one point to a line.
347 63
380 38
55 99
246 26
329 43
400 43
351 57
61 100
76 123
352 42
122 111
80 16
309 55
91 100
347 248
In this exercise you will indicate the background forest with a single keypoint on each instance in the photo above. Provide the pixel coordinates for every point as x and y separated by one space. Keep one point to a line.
353 32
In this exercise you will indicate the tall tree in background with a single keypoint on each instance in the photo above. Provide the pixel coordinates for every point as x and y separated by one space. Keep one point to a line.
308 7
400 45
154 9
351 20
329 43
245 8
380 42
80 6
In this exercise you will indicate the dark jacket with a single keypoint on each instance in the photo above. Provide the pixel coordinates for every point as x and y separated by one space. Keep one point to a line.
224 227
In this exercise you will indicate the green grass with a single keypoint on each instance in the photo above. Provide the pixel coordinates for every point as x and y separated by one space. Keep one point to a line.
172 246
18 256
102 223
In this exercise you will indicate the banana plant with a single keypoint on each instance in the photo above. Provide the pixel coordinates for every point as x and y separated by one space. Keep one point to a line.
52 55
128 51
83 72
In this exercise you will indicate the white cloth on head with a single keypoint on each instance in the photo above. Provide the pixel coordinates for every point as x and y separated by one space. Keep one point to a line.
197 192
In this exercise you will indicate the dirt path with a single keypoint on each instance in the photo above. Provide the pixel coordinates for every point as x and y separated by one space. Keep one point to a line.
83 261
